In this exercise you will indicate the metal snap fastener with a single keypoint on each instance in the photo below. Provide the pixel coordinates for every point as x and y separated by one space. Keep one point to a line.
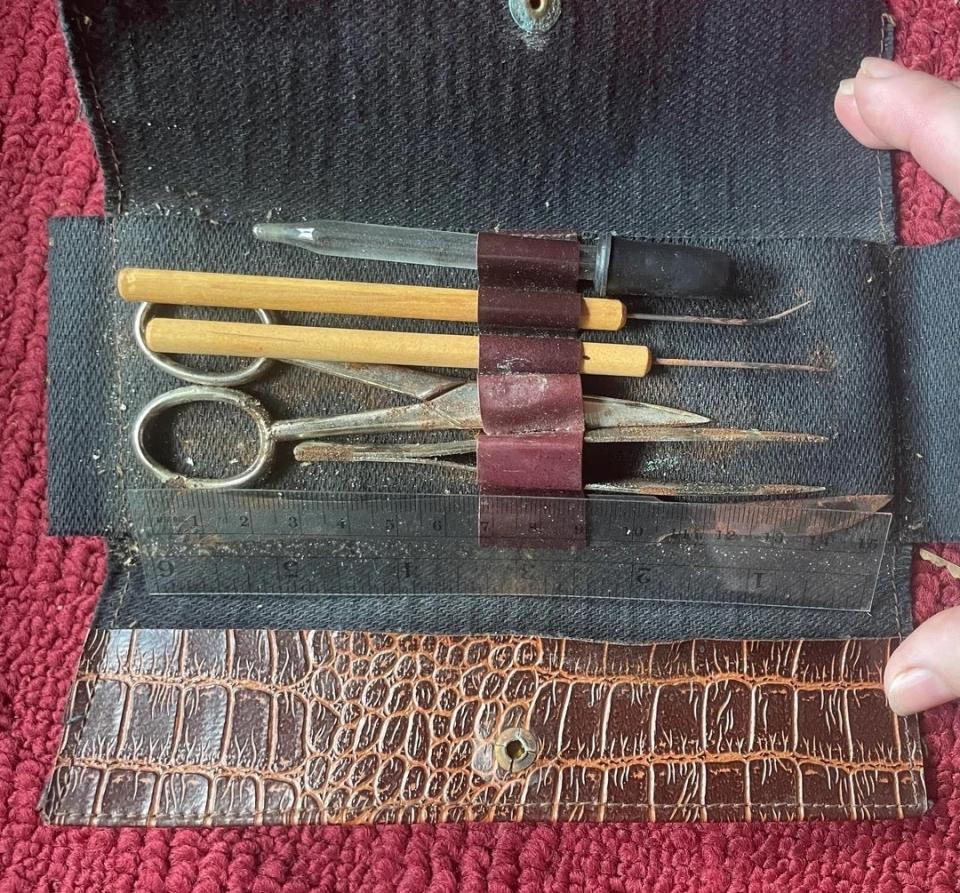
535 16
515 749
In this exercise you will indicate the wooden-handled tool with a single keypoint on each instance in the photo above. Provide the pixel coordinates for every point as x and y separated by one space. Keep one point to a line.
187 336
328 296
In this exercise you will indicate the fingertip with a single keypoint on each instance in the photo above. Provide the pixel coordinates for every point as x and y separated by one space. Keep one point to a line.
915 112
878 67
924 671
848 114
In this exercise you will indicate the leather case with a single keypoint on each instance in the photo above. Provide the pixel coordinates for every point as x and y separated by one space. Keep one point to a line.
239 727
644 119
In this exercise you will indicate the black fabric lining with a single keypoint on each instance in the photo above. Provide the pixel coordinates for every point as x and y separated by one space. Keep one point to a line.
646 117
394 113
844 328
924 296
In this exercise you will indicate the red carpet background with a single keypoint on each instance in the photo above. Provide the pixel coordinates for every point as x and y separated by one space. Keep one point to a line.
48 588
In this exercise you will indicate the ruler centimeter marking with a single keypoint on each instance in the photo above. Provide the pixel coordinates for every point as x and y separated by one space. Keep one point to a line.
263 542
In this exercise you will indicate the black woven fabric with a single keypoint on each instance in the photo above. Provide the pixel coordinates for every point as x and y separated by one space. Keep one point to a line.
688 121
844 328
666 119
924 297
886 407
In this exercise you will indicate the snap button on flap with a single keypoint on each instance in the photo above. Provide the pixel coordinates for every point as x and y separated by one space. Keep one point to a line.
515 749
535 15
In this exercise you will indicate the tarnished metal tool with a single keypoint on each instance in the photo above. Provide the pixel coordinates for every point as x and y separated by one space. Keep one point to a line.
785 518
695 489
443 403
720 320
433 454
613 265
325 451
459 410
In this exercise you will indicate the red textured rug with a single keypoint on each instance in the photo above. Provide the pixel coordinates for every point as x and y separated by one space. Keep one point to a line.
48 588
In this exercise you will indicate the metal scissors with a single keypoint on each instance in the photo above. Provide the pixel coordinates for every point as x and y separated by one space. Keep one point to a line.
443 403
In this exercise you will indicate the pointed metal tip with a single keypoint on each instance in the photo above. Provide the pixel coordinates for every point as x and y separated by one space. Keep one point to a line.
858 503
721 320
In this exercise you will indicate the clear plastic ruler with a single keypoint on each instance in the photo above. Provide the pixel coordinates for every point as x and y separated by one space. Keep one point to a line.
792 553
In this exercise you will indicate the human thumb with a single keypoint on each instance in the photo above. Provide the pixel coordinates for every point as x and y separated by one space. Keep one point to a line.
924 671
887 106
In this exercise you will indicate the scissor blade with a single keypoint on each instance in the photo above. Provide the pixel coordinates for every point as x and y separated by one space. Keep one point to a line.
611 412
324 451
416 383
659 434
455 410
458 409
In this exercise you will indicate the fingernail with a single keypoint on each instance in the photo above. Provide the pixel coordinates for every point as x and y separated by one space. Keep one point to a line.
846 87
875 67
917 689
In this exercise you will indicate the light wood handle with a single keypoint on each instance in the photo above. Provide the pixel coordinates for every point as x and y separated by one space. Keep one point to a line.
329 296
187 336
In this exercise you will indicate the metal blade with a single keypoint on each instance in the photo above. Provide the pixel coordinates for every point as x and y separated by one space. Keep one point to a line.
779 515
416 383
612 412
366 241
697 489
459 410
455 410
427 453
720 320
867 504
397 244
324 451
654 434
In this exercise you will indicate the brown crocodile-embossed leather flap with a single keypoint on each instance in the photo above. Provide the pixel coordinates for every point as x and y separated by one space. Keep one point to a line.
216 727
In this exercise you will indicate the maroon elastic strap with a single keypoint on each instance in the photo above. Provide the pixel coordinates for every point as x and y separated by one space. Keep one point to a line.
514 309
528 282
538 463
507 354
528 261
531 401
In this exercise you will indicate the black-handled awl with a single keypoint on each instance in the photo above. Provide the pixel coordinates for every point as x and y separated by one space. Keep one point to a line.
611 264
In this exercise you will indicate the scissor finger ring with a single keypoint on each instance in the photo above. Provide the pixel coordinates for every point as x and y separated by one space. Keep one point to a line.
206 394
172 367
